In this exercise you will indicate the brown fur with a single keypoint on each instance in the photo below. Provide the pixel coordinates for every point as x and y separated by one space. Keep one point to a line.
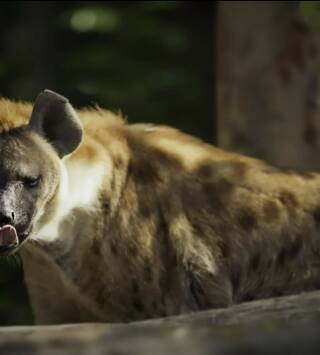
179 226
13 114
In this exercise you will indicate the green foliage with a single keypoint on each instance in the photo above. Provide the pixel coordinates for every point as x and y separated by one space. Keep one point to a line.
310 11
151 60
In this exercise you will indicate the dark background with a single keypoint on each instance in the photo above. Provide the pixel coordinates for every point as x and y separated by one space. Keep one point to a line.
151 60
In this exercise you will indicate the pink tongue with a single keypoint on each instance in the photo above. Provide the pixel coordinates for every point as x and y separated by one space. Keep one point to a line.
8 236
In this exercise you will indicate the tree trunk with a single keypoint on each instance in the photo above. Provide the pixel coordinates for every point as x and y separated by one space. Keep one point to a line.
268 72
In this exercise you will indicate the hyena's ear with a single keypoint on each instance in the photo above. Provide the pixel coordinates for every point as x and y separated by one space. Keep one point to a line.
54 118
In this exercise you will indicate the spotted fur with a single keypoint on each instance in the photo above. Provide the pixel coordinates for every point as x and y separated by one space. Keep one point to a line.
153 222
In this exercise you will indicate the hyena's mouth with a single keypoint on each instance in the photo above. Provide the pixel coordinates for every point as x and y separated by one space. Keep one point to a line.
9 239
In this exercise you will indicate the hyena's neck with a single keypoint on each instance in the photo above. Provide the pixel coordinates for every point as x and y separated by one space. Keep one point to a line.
72 250
83 181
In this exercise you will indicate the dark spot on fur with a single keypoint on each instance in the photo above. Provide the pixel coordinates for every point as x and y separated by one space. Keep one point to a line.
235 279
118 162
295 247
240 168
191 196
224 187
113 182
196 292
270 170
308 175
247 219
106 205
316 216
282 257
288 171
95 247
132 250
218 192
211 170
255 262
148 272
113 248
270 211
288 199
144 172
154 166
225 249
101 295
145 206
268 263
205 170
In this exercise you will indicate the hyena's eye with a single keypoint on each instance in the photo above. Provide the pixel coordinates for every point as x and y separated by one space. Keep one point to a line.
29 181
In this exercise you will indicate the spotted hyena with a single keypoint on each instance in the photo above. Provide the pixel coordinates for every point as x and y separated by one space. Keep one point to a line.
118 222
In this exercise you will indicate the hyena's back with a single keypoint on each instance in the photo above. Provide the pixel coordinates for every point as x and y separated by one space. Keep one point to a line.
216 228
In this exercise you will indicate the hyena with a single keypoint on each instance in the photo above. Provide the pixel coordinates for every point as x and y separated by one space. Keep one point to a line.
119 222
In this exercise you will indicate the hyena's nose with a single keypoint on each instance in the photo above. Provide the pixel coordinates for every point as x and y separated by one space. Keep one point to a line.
6 218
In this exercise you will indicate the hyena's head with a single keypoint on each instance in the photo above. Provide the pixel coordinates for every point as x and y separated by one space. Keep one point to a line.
31 169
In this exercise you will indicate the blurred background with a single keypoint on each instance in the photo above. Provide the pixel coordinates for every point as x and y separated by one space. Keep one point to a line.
243 75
